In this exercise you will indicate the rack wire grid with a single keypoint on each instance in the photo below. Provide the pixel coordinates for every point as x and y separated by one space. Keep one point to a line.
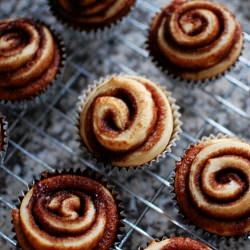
42 138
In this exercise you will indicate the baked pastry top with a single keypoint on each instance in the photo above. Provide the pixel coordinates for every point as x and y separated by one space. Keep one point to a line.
177 243
195 39
29 58
212 186
67 211
91 14
127 120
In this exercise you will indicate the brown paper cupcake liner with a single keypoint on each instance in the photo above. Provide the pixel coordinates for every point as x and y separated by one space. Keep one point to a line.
49 91
82 149
97 33
220 242
177 78
4 128
86 173
174 233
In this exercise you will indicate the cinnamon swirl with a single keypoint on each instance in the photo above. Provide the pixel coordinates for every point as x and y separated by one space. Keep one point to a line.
195 40
212 186
67 211
177 243
127 120
91 15
30 59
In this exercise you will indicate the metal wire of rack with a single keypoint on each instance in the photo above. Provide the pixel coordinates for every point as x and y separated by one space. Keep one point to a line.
142 205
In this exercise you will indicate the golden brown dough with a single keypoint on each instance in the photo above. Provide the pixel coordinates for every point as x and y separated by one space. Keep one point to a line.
90 15
127 120
195 39
177 243
212 186
67 211
29 59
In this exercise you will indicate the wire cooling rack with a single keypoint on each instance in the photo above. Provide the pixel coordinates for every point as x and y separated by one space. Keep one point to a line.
42 139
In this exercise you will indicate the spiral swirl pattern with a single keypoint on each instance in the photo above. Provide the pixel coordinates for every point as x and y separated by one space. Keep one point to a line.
67 212
215 176
29 58
196 39
127 120
91 14
177 243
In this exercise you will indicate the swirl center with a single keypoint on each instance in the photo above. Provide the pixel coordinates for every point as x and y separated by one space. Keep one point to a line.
221 181
67 206
114 111
112 123
192 23
194 26
217 176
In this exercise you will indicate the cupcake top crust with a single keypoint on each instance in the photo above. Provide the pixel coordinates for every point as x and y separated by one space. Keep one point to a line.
127 120
91 14
212 186
67 211
177 243
195 39
29 58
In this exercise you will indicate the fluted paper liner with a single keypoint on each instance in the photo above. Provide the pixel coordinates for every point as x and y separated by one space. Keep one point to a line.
179 79
171 234
97 33
222 242
89 174
48 92
172 142
4 126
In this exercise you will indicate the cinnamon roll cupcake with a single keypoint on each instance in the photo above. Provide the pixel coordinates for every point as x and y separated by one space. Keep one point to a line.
212 184
91 15
195 40
127 121
177 243
31 57
3 137
68 211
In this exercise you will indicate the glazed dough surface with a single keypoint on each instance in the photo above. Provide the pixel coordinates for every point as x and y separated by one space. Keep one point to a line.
127 118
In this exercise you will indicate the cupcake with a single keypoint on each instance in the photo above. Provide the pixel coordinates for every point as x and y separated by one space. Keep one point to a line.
177 243
195 40
3 137
68 211
127 121
31 59
91 15
212 185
